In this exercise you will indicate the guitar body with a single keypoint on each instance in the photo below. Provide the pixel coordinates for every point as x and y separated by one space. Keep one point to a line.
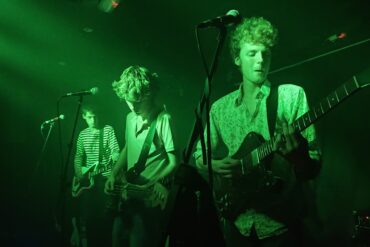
153 195
87 182
266 179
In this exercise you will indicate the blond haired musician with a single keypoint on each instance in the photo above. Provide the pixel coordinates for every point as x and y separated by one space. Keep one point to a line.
144 193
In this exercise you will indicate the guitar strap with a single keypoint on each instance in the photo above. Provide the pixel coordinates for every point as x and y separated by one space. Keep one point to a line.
101 146
271 104
139 166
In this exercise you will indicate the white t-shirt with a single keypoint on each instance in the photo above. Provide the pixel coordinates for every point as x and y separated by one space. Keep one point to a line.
136 132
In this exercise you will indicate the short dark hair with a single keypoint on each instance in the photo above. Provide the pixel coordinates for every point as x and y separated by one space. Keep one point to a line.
89 108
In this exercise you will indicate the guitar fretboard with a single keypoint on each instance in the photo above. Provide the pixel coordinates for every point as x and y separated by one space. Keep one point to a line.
325 105
102 169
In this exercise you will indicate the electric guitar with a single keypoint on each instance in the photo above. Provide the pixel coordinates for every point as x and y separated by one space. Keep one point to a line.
233 196
152 194
87 182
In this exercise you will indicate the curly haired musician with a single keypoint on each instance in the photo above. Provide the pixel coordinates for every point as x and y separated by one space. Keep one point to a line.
141 222
267 216
97 149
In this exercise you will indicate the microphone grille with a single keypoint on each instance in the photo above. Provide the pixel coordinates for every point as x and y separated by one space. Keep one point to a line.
94 90
233 12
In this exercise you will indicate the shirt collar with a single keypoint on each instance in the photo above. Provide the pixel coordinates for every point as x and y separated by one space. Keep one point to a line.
141 124
264 92
144 123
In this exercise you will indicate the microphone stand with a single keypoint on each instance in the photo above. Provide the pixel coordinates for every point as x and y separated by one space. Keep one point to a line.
61 227
205 102
190 185
44 145
39 161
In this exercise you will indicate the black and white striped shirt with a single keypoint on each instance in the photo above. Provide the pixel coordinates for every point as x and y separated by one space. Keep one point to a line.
87 150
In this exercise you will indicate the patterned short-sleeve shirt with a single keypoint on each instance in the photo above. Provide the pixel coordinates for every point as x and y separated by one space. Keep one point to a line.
230 123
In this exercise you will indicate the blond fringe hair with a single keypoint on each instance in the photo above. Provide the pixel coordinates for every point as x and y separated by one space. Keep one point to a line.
255 30
135 84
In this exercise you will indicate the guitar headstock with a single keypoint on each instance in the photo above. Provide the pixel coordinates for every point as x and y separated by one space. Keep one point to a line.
363 78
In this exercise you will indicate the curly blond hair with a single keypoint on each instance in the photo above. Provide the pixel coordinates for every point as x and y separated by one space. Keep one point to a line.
256 30
136 83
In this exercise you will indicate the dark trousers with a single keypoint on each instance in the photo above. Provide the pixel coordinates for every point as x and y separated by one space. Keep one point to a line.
93 220
138 225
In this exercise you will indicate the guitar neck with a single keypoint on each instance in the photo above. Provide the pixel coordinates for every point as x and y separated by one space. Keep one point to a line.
101 169
325 106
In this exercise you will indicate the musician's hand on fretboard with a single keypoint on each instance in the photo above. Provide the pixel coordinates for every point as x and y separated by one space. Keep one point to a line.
227 167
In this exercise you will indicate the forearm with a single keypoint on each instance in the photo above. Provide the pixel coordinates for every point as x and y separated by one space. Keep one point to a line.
226 167
113 145
170 167
200 164
121 162
203 167
79 157
78 164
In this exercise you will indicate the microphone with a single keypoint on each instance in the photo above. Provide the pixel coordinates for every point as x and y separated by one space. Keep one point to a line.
92 91
61 117
231 17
